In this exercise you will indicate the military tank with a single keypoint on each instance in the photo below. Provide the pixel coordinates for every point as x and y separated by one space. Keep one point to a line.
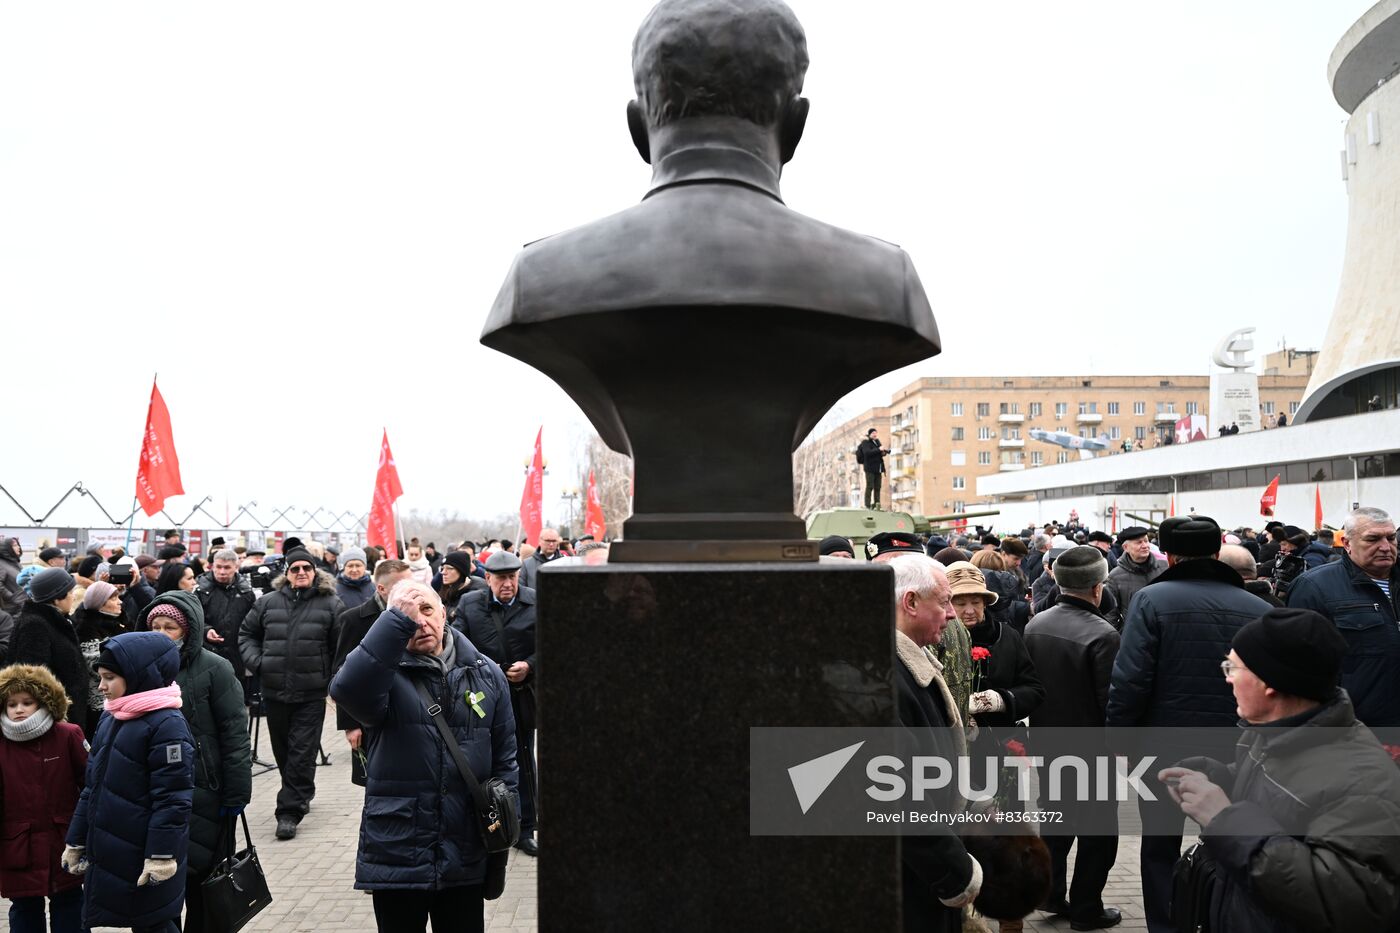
860 525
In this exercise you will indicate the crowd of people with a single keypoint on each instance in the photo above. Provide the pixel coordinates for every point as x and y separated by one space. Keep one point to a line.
1275 651
130 680
131 685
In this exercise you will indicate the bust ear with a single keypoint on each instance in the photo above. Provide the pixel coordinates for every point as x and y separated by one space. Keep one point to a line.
637 126
792 122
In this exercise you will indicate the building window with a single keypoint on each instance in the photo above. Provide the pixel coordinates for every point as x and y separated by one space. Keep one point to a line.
1035 409
959 482
1190 408
984 433
1010 408
1037 458
957 409
984 458
1013 457
1113 408
1139 408
984 409
1293 408
1060 409
1062 457
1114 434
1268 408
1088 408
959 505
957 434
959 457
1166 408
1139 433
1011 434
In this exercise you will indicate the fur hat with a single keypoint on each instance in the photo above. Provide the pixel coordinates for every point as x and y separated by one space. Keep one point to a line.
1190 536
1015 547
967 580
39 683
1016 869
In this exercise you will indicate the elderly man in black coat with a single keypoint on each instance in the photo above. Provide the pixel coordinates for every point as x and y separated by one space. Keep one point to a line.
1073 648
1167 674
500 621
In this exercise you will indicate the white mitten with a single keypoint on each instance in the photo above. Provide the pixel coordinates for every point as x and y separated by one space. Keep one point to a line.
73 860
988 701
156 870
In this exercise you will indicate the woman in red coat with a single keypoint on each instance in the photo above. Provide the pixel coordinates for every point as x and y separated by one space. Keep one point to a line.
42 760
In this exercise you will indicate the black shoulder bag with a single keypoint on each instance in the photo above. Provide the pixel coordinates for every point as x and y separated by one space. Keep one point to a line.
1193 882
497 807
236 890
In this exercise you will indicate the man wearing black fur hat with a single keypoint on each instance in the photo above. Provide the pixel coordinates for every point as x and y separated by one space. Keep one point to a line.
1305 837
1167 674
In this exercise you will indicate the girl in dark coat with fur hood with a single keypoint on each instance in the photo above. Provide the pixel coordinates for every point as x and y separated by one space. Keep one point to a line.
130 832
42 759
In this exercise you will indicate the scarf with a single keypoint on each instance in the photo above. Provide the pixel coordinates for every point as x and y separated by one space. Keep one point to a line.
31 728
136 705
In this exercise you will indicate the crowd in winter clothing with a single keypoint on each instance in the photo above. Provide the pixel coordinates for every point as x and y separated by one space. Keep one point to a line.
1271 680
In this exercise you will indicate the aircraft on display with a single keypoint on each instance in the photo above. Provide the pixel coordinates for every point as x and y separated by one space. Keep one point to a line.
1085 445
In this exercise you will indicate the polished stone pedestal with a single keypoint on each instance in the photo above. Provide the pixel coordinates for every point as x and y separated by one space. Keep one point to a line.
650 677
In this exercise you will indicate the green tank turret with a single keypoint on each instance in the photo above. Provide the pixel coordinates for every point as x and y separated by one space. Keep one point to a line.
860 525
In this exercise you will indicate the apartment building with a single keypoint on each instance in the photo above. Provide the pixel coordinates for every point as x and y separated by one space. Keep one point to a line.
944 432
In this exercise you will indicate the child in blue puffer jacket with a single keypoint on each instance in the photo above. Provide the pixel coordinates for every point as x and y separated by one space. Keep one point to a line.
140 785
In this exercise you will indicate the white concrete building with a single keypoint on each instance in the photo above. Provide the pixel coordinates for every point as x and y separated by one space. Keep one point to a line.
1360 358
1350 459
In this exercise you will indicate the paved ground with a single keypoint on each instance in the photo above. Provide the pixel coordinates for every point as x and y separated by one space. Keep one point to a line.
312 876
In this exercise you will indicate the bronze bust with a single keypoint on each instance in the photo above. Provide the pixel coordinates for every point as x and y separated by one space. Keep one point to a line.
706 330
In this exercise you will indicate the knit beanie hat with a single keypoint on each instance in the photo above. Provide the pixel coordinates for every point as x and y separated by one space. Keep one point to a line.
296 554
169 611
459 561
1296 651
97 595
1080 568
51 584
351 553
49 553
833 543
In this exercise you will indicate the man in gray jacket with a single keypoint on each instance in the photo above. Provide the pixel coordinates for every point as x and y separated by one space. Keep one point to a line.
1136 568
546 552
1302 826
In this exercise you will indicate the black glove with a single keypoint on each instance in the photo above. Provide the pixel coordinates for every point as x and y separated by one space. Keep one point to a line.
495 875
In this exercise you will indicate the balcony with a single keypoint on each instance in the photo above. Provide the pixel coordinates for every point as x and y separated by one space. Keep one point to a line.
1167 417
1011 418
1011 467
1089 417
900 496
1011 443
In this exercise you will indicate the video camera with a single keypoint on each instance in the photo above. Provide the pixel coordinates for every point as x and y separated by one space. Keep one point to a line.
260 576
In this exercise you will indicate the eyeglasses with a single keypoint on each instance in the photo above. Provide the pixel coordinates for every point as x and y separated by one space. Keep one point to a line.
1227 667
301 568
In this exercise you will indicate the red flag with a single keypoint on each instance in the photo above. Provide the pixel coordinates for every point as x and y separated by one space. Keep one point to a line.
1269 500
158 473
1317 508
593 521
1114 529
387 490
532 499
1171 510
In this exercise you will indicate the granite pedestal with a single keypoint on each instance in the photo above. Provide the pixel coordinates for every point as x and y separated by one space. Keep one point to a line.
650 677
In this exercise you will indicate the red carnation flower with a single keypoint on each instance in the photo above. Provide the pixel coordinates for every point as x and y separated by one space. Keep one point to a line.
1393 751
980 654
1015 748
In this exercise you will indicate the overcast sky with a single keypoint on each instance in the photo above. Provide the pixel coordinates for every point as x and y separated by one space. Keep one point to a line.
300 213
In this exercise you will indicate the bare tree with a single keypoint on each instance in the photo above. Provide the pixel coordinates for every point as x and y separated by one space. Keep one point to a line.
445 529
612 472
824 468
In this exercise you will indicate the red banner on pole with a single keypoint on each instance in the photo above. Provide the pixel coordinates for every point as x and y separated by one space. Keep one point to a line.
387 490
158 473
594 522
532 499
1317 508
1269 500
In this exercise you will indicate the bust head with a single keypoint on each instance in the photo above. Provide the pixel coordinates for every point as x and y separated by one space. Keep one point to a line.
732 61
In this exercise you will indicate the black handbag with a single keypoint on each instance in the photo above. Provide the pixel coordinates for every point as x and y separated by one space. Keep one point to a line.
236 889
497 806
1193 882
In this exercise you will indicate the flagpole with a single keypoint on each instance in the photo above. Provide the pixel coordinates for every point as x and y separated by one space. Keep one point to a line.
129 523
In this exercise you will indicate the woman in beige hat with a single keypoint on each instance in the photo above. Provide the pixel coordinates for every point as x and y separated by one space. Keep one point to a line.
1005 688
